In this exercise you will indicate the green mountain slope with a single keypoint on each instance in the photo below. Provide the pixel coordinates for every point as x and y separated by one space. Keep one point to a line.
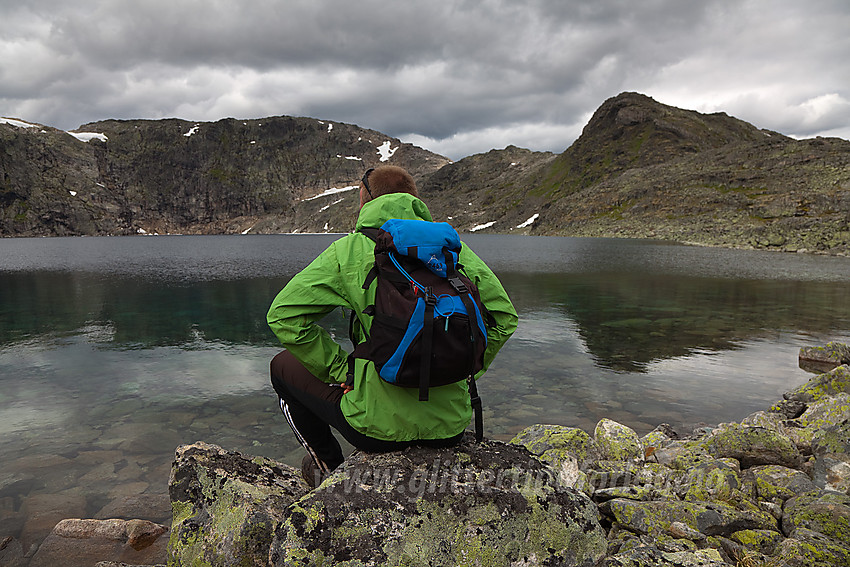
644 169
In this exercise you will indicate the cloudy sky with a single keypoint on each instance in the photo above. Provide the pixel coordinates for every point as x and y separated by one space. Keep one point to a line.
457 77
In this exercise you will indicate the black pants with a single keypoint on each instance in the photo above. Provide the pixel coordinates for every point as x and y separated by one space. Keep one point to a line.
312 407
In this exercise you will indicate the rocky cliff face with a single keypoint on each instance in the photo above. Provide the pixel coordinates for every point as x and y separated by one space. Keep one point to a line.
127 177
639 169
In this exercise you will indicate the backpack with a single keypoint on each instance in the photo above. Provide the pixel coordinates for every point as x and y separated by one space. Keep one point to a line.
428 321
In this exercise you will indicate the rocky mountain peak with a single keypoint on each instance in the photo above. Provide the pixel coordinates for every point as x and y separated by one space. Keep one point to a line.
632 130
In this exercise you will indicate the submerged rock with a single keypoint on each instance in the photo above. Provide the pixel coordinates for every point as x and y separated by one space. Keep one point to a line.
82 543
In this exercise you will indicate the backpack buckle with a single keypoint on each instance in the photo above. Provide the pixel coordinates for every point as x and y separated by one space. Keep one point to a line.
457 283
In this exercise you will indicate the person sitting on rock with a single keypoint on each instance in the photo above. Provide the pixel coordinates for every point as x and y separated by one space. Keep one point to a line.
309 376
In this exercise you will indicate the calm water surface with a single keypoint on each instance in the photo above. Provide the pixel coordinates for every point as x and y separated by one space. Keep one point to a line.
113 351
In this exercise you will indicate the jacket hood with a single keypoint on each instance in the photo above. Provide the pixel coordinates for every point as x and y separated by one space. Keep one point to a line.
392 206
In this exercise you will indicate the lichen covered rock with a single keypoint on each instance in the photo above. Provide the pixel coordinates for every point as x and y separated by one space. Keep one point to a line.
651 556
760 541
226 505
555 444
821 511
807 548
831 448
477 504
823 357
709 518
771 490
712 480
753 446
618 442
830 383
776 483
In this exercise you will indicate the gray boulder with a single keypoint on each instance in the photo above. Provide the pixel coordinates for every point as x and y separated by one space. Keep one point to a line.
821 511
753 446
836 381
709 518
831 448
226 505
489 503
486 503
821 358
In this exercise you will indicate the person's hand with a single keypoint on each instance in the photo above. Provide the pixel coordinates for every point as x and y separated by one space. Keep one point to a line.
345 388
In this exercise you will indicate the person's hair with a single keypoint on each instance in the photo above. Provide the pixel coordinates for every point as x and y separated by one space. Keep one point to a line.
391 179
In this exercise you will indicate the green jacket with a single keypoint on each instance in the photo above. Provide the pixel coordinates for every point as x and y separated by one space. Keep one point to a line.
334 279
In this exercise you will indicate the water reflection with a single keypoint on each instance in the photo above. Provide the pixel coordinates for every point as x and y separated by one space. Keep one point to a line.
625 320
629 320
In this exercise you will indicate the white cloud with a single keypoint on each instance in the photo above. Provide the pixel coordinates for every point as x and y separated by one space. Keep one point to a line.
539 136
464 77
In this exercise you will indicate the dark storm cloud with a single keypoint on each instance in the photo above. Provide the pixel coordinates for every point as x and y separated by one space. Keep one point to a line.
458 77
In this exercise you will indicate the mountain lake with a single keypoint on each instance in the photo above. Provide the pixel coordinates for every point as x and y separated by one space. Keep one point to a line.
115 350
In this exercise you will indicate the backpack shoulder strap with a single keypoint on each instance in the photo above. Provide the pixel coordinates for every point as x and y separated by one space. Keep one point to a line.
371 232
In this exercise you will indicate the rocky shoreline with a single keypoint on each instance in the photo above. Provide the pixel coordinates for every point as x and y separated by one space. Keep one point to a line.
771 490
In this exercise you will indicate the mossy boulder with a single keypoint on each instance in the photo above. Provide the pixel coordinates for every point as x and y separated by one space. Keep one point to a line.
712 480
652 556
820 511
477 504
824 357
836 381
556 444
753 446
761 541
226 505
819 416
826 412
683 454
776 483
834 439
618 442
831 448
658 438
767 419
807 548
568 450
709 518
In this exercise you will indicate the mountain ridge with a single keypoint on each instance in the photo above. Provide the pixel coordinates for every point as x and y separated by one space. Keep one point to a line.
639 169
